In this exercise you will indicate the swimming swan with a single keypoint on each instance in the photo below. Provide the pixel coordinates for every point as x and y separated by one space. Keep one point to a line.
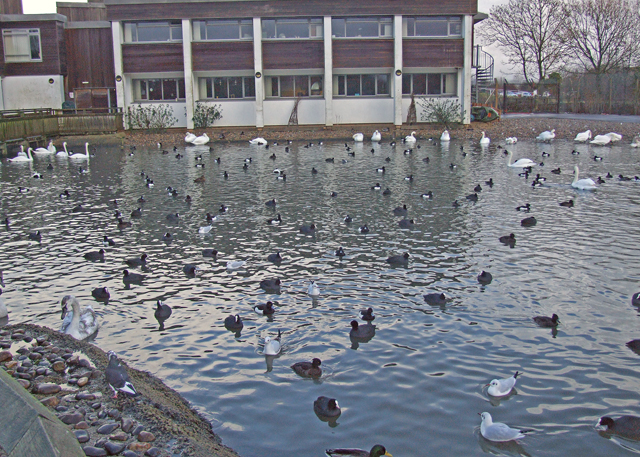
189 137
485 139
377 136
28 157
50 149
64 153
258 141
81 156
445 136
584 183
202 139
410 138
358 137
78 324
520 163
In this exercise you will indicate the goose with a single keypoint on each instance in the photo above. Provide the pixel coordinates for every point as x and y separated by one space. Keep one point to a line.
50 149
28 158
545 321
258 141
272 346
376 451
584 183
601 140
313 289
511 140
502 387
3 308
625 426
497 431
445 136
377 136
358 137
485 277
233 323
80 324
64 152
485 140
614 136
199 140
326 407
117 377
308 369
81 156
583 136
410 138
520 163
547 135
190 137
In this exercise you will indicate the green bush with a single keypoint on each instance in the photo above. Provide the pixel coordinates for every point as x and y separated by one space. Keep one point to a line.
445 111
152 118
205 115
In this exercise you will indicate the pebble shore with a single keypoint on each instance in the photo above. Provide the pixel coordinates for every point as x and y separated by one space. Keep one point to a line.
67 376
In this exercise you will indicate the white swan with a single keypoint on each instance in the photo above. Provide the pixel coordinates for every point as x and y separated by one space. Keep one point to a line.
358 137
45 150
189 137
511 140
28 157
81 156
51 147
64 153
258 141
485 139
584 183
410 138
547 135
614 136
520 163
202 139
78 324
445 136
21 152
583 136
636 142
377 136
3 308
601 140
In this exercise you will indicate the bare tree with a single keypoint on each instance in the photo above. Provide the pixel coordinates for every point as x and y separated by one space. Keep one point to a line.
529 33
603 35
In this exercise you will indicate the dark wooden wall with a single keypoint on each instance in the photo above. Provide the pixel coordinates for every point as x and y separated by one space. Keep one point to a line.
293 54
83 11
362 53
432 53
285 8
90 52
221 55
142 58
54 58
10 6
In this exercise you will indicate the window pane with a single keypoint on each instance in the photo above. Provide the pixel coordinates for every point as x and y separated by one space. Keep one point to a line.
287 29
181 90
143 90
357 28
411 24
455 26
420 84
249 87
35 47
406 84
302 86
432 28
220 87
449 84
235 87
383 84
337 27
316 86
339 85
176 32
209 88
433 84
246 30
368 84
222 30
353 85
286 86
158 32
274 87
155 89
268 28
169 89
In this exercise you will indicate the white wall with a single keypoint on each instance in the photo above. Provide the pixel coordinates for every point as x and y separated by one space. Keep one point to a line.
235 113
359 110
25 92
310 111
179 111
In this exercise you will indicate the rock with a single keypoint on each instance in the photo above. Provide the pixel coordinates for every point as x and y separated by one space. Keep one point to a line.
114 448
84 363
35 356
71 419
40 371
19 330
153 452
24 383
72 381
83 382
101 442
17 336
146 437
66 356
73 360
25 376
81 435
41 339
102 414
140 447
95 374
27 363
5 355
5 344
127 424
59 366
130 454
47 388
82 425
137 430
85 396
50 401
28 339
96 405
120 436
61 409
106 429
11 364
113 413
91 451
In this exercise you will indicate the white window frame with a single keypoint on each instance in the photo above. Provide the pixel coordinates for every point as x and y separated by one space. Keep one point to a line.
453 23
318 79
341 82
131 31
19 34
384 25
137 90
452 77
198 24
204 81
314 27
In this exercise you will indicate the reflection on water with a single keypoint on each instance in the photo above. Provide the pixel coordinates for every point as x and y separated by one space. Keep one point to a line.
417 385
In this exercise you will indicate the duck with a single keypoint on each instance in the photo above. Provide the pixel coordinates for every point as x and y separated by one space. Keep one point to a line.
635 299
377 136
106 241
189 137
358 137
363 229
81 156
410 138
528 221
347 219
136 212
601 140
46 150
545 321
568 204
264 309
485 277
400 210
313 289
445 136
80 324
123 224
472 197
94 255
275 258
436 299
18 159
367 315
508 239
502 387
117 377
275 221
406 223
162 312
376 186
190 269
167 237
209 253
270 285
583 136
326 407
311 228
427 196
386 192
547 135
234 323
489 182
497 431
624 426
173 217
340 252
584 183
524 208
35 236
101 293
271 203
362 331
520 163
199 140
380 170
308 369
478 188
128 277
485 140
398 259
259 141
273 346
377 450
137 261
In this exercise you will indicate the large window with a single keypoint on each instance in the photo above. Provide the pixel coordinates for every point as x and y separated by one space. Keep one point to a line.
291 28
144 32
223 30
293 86
432 26
361 85
22 45
227 87
159 89
362 27
429 84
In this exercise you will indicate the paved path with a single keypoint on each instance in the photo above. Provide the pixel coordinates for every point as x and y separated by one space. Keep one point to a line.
586 117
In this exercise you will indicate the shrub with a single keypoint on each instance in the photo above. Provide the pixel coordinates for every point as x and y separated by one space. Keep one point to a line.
152 118
444 111
205 115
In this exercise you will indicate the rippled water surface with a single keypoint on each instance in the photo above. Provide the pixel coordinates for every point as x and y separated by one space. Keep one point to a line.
417 386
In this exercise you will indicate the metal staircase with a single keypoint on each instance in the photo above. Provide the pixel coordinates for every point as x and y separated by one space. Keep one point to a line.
483 64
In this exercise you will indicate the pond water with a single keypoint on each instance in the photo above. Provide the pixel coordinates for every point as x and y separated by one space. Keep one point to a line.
418 385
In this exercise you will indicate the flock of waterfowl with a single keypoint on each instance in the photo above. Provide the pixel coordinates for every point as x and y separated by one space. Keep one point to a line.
83 323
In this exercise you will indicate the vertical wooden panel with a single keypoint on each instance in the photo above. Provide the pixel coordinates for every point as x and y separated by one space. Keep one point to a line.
83 11
433 53
222 55
10 6
293 54
153 57
90 58
362 53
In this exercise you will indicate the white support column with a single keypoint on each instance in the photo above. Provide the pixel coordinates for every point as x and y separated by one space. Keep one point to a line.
328 73
188 73
397 63
465 97
116 32
257 68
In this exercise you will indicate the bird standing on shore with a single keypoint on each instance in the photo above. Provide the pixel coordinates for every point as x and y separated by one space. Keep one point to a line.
117 377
